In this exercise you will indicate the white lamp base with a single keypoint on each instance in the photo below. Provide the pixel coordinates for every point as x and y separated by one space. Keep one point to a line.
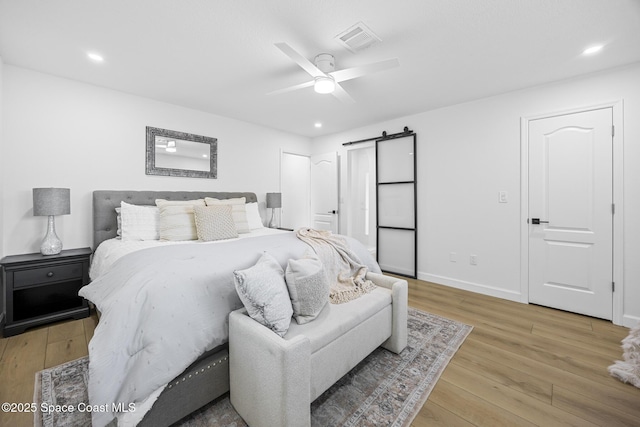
51 244
272 223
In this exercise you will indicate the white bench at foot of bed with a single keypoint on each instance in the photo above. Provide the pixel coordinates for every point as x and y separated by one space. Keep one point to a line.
273 380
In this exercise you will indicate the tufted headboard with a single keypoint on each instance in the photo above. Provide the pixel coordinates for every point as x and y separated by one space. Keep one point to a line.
105 202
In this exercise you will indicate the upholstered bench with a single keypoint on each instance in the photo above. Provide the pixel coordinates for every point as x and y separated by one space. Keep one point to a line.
274 379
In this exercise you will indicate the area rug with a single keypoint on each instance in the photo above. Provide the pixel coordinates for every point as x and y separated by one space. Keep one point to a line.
385 389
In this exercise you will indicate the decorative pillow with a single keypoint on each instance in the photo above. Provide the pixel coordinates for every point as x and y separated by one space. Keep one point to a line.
214 223
119 222
253 216
264 294
238 211
176 219
308 288
177 223
139 222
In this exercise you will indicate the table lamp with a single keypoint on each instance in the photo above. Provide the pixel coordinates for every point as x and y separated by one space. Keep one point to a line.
51 202
274 201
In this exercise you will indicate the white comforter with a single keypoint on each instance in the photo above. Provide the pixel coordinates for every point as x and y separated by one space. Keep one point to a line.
163 307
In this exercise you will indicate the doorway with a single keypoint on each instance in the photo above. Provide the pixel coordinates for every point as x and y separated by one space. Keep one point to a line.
361 196
295 178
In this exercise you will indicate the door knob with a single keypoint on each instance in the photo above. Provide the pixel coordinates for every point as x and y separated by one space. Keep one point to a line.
537 221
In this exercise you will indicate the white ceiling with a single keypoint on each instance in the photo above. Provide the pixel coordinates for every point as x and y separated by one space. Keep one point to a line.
219 56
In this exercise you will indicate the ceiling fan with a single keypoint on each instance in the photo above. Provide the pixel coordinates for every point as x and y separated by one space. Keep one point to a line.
325 78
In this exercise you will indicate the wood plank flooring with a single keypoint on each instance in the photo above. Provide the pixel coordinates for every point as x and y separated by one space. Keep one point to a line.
522 365
21 356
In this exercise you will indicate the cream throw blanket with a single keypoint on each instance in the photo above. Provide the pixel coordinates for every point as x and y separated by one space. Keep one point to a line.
344 270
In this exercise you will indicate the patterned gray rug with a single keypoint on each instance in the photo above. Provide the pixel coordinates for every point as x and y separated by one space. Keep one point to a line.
385 389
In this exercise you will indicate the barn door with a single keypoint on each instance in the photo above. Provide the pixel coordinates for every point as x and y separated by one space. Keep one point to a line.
396 206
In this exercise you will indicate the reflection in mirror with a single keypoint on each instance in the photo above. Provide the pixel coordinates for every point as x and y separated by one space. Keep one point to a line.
175 153
181 154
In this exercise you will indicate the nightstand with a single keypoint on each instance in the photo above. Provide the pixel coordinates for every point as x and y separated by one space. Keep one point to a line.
40 289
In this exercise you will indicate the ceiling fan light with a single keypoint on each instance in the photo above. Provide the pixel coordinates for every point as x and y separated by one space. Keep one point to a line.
324 84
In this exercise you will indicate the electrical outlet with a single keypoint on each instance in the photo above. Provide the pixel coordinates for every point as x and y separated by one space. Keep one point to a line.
473 260
503 197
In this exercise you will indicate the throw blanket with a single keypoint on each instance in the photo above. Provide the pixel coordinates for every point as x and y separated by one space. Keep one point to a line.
344 270
628 370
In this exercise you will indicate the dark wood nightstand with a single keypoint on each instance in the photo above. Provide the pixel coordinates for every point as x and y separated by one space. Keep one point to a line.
40 289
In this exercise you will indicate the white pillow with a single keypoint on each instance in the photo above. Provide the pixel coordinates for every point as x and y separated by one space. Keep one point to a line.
214 223
253 216
176 219
139 222
264 293
238 211
308 287
177 223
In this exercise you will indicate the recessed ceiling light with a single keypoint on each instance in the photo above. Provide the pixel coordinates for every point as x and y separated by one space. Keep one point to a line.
95 57
593 49
318 125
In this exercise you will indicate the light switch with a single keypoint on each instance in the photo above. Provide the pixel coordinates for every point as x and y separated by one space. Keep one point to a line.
503 197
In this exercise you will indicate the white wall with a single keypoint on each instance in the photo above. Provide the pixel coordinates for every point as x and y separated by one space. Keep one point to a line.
62 133
469 152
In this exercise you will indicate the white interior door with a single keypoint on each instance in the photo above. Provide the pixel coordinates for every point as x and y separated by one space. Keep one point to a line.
324 191
570 194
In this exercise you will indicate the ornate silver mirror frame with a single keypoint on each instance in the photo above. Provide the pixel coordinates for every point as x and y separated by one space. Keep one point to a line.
173 153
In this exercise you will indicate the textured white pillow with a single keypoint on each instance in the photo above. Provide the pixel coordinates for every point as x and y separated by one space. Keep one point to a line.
214 223
139 222
253 216
238 211
308 288
263 292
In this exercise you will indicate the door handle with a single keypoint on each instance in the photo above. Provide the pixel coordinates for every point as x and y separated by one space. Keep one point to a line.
537 221
333 212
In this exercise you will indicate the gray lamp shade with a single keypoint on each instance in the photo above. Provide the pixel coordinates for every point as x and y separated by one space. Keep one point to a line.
51 201
274 200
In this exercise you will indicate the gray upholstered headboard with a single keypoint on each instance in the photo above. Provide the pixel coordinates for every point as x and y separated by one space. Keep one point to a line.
105 203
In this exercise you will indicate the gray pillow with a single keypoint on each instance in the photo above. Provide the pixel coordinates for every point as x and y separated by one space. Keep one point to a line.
264 294
308 288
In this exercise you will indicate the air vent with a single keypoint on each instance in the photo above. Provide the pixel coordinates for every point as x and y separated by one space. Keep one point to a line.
357 38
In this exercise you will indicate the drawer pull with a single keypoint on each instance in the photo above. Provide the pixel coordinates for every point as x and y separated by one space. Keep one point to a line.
50 274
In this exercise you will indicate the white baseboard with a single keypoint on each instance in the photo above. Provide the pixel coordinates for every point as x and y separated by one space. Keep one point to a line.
470 286
630 321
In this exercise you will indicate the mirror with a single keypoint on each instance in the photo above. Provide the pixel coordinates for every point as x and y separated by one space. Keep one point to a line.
173 153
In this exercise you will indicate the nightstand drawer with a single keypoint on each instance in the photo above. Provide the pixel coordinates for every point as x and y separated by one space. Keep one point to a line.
44 275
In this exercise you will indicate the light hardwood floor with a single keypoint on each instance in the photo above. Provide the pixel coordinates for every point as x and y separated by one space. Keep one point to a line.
522 365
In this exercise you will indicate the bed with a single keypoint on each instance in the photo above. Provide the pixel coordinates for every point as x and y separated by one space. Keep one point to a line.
206 376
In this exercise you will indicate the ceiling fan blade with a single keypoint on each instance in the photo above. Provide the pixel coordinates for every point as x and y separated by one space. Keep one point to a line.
292 88
342 95
352 73
303 62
